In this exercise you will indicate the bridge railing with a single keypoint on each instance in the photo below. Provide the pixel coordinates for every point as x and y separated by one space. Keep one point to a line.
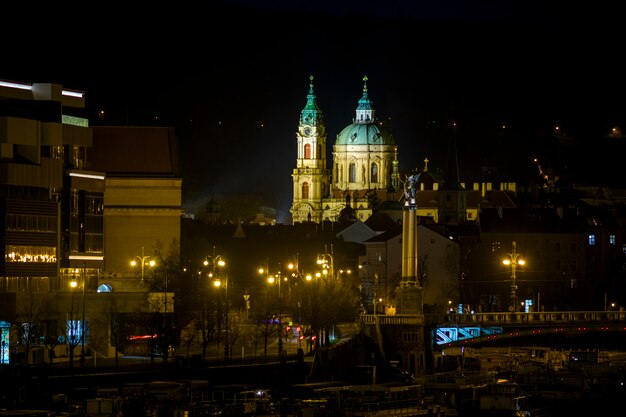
547 317
384 319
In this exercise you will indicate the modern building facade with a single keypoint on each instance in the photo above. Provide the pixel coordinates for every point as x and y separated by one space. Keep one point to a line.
57 282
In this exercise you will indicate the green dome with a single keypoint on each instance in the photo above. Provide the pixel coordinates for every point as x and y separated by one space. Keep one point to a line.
365 130
364 134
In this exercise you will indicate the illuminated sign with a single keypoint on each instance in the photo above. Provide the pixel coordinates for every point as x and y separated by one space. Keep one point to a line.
74 121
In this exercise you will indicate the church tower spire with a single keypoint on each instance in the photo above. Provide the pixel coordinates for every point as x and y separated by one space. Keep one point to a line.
452 195
311 178
365 110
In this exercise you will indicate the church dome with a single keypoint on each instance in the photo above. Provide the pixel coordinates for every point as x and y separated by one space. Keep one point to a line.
364 134
365 129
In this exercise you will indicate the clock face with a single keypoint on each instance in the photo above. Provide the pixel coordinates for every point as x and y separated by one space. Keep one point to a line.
307 130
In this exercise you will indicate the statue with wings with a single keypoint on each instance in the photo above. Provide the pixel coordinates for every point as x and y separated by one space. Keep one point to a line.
410 186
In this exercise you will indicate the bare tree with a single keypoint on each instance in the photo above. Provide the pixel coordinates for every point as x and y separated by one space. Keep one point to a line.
28 324
188 337
51 337
236 320
73 328
324 303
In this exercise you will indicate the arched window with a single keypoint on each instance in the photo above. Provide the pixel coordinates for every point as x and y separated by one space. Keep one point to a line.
352 173
374 173
305 190
105 288
307 151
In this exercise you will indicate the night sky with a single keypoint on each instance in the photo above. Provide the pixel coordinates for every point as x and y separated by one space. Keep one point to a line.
232 80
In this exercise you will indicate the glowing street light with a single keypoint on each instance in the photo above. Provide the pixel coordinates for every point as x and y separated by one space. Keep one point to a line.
74 284
514 261
143 261
325 261
216 262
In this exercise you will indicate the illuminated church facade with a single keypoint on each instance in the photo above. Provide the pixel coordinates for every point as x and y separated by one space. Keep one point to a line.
364 165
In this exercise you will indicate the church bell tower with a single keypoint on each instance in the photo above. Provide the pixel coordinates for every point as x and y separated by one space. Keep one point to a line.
311 178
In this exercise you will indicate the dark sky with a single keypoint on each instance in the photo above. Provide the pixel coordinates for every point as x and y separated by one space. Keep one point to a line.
233 78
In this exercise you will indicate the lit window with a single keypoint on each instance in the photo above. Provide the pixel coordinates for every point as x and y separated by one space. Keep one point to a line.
307 151
352 173
612 240
592 240
374 173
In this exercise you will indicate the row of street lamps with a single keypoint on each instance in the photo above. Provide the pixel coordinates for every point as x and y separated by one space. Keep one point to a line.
217 266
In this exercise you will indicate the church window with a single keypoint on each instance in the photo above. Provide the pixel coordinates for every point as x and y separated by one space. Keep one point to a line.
352 173
374 173
305 190
307 151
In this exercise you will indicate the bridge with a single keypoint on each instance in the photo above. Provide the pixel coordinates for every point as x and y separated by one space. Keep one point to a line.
464 329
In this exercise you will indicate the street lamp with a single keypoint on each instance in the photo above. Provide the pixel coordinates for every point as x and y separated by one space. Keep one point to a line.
271 279
325 261
74 284
143 261
376 275
217 262
514 261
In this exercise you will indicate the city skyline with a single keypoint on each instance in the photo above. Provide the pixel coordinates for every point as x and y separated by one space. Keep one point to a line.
234 92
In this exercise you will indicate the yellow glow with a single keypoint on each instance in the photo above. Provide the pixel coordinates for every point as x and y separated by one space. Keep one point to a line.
92 176
270 280
152 263
309 277
86 258
506 261
73 284
217 283
261 270
133 263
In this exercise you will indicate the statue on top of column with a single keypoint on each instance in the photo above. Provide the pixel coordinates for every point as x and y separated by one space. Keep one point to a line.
410 187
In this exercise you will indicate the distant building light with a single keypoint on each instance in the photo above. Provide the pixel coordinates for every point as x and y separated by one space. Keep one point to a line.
16 85
86 258
92 176
21 86
72 93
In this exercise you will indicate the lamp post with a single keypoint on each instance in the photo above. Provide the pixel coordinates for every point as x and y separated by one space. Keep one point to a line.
74 284
325 261
296 274
217 262
514 261
270 280
375 274
143 261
